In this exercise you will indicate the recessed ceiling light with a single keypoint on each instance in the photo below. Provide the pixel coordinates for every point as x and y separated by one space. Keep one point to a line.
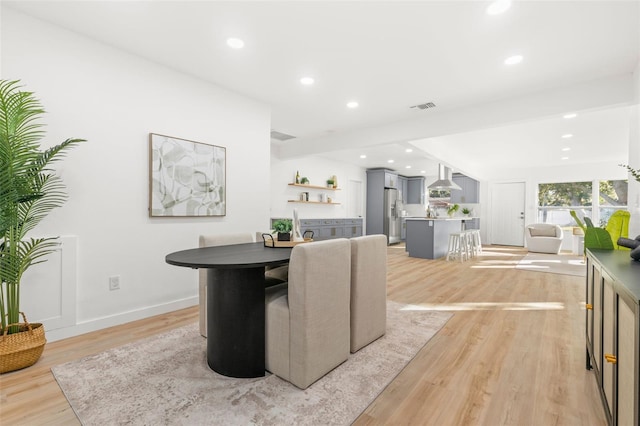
498 7
235 43
423 171
566 149
363 156
407 167
352 104
408 150
389 161
572 115
513 60
307 81
565 158
567 136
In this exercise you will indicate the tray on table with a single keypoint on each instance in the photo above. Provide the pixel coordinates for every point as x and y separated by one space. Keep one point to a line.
270 241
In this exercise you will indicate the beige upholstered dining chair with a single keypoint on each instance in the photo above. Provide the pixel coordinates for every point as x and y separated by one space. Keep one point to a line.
211 241
274 272
368 289
307 322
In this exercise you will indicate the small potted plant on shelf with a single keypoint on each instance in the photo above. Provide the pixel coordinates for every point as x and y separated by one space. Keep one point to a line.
330 183
452 210
304 181
283 228
466 211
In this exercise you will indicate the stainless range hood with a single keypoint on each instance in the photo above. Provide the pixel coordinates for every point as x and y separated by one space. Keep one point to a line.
444 179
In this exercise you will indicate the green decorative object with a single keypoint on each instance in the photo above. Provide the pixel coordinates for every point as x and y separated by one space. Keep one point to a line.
452 209
597 238
618 227
29 191
578 221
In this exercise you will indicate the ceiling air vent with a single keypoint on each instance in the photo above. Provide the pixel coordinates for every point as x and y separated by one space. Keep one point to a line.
281 136
424 106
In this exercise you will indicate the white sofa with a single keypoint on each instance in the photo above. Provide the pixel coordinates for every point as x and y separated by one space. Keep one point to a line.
543 238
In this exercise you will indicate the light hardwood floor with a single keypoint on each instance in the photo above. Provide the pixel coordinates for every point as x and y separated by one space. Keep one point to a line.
513 353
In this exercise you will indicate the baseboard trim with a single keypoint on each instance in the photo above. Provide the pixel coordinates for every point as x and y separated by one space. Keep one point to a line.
118 319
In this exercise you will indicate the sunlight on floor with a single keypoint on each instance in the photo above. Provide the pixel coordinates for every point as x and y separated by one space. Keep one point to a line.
487 306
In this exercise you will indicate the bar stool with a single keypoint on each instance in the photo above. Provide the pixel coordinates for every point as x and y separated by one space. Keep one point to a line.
474 242
458 246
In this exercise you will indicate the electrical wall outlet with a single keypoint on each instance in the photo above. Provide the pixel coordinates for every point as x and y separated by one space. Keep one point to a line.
114 282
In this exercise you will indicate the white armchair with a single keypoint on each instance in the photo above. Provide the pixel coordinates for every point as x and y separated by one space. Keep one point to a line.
543 238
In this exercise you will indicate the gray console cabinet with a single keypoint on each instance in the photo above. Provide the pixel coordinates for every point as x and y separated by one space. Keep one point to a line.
326 229
613 332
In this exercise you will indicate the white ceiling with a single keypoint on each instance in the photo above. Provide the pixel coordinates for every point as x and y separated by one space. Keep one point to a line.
389 56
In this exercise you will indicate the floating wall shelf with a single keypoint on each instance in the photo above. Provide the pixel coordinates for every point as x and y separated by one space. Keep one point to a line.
314 187
311 202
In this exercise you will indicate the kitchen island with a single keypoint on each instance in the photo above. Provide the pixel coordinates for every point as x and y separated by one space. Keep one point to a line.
428 238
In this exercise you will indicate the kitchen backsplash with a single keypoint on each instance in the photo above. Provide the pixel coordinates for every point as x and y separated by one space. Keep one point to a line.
419 210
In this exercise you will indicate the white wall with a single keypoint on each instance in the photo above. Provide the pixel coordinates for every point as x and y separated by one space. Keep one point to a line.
317 170
533 177
114 100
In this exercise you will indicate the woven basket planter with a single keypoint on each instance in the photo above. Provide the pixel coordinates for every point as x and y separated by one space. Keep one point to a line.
22 349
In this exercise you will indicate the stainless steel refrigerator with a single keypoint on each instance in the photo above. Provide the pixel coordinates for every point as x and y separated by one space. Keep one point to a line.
392 215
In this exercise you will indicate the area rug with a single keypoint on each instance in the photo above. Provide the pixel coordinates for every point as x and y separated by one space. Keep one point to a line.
566 264
164 379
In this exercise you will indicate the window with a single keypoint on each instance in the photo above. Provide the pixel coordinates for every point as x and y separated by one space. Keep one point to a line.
556 200
613 197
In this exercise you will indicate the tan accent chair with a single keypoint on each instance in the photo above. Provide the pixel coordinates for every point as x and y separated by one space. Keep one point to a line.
543 238
212 241
368 289
307 322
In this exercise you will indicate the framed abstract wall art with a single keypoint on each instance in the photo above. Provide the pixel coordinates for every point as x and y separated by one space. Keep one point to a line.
186 178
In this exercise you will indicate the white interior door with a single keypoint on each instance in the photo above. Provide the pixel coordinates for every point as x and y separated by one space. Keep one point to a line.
507 214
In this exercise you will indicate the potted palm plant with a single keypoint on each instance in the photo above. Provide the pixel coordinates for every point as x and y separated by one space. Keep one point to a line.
29 191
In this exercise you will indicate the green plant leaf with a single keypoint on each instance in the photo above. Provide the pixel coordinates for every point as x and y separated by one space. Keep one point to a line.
597 238
578 221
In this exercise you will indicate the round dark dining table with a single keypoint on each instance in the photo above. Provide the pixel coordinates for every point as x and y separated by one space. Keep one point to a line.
235 302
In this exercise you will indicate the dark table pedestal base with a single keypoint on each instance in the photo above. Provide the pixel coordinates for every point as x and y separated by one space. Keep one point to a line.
235 315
